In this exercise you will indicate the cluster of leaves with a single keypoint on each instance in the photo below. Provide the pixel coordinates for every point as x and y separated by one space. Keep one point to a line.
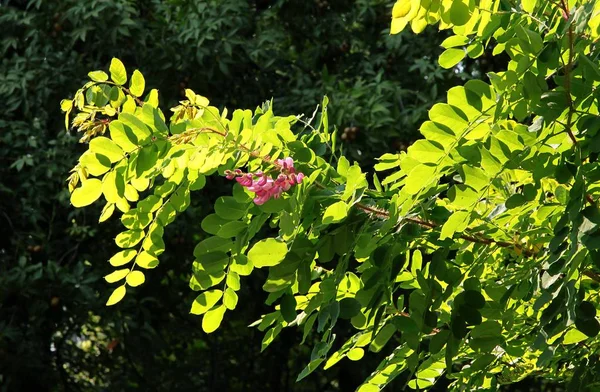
475 255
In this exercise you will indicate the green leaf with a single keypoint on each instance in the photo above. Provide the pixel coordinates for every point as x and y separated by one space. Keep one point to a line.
267 253
213 223
116 97
117 295
166 215
486 336
456 223
123 257
454 41
335 213
89 191
213 261
419 177
384 335
450 57
242 265
231 229
116 275
212 244
589 326
106 147
123 136
150 204
206 301
212 319
135 278
233 280
202 280
118 74
227 208
459 12
475 177
146 162
416 262
349 307
154 119
288 308
136 131
98 76
230 299
487 329
137 83
425 151
95 164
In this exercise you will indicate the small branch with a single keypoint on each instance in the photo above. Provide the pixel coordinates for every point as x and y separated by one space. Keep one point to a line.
430 225
590 199
592 275
378 212
568 69
568 87
382 213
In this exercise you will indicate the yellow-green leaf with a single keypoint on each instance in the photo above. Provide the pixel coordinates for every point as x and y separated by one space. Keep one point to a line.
116 296
107 212
129 238
95 164
122 258
528 5
574 336
118 74
459 12
66 105
131 193
205 301
356 354
450 57
122 135
267 253
113 186
106 147
146 260
89 191
137 83
230 299
335 213
117 275
212 319
135 278
420 177
456 223
98 76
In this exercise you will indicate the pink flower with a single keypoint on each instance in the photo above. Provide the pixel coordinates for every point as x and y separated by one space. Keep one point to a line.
264 186
245 180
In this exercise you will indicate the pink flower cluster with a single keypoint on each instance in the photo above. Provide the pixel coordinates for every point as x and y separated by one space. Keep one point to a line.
263 185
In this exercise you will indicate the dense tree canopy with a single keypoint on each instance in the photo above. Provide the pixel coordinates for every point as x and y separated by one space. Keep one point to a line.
55 332
469 258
